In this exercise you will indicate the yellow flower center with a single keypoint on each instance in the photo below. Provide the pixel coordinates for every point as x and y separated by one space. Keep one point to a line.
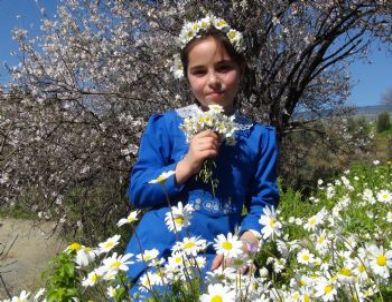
189 245
306 257
116 264
231 34
227 245
221 23
345 272
108 245
272 222
74 246
312 221
94 278
179 220
161 178
381 260
216 299
306 298
361 268
321 239
328 288
302 282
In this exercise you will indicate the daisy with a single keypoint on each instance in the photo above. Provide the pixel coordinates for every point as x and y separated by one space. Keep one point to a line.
388 217
148 255
161 179
380 261
132 217
84 256
316 220
384 196
39 294
92 278
112 291
229 246
271 225
179 217
190 246
23 297
368 196
109 244
218 292
326 290
115 264
305 257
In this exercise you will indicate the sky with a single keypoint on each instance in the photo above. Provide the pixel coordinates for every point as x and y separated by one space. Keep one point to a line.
370 81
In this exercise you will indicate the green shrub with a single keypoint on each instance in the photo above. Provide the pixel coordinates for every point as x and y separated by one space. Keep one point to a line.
383 122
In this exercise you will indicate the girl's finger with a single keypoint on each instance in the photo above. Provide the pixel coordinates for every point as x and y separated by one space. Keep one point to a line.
216 262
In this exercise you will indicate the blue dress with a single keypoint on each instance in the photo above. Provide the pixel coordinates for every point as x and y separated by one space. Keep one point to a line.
246 174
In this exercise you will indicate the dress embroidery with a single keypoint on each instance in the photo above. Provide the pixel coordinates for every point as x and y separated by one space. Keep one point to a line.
214 206
241 122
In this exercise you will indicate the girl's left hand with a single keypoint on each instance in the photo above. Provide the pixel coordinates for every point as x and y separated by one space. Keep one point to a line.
248 238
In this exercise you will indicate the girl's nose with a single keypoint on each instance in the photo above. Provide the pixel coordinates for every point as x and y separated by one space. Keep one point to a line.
213 80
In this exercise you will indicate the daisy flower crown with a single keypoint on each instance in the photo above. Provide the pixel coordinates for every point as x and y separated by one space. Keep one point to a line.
192 30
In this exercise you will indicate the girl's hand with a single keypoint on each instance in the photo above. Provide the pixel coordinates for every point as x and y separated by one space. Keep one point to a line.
202 146
249 243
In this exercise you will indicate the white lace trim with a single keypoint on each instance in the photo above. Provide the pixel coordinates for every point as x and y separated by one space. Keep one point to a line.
241 122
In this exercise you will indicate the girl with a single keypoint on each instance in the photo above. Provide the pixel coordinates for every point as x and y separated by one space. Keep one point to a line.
213 67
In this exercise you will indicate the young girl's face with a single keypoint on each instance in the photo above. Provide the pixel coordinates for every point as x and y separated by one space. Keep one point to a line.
212 74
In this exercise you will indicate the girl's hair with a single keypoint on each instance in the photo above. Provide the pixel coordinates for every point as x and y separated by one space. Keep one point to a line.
220 37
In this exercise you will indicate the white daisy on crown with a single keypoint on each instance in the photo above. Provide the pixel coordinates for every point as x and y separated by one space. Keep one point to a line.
192 30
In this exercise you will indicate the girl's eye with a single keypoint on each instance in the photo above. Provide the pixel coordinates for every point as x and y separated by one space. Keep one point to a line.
199 72
224 68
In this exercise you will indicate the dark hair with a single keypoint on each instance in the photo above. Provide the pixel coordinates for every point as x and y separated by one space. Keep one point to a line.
220 37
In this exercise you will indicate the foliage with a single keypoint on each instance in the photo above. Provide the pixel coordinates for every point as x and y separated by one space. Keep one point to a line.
323 149
73 114
63 281
383 122
335 245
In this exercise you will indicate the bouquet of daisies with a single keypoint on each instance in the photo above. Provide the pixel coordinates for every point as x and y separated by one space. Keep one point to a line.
220 123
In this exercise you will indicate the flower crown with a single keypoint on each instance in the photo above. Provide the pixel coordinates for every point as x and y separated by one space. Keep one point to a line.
192 30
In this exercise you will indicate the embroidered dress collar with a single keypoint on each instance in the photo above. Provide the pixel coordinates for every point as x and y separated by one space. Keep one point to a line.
241 122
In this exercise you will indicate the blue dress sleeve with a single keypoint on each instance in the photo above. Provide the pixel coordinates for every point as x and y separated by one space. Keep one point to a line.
153 160
263 187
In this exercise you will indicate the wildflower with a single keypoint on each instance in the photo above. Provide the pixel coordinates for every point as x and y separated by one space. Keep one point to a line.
388 216
384 196
92 278
84 256
112 291
39 294
271 225
161 179
380 260
315 220
190 246
179 217
376 162
23 297
73 247
326 290
132 217
115 264
305 257
109 244
218 292
330 191
229 246
148 255
368 196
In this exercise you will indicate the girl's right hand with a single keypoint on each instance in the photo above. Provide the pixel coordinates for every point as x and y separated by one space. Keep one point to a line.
202 146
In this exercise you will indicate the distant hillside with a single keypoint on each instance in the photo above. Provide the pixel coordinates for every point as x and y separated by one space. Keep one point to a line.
370 112
373 110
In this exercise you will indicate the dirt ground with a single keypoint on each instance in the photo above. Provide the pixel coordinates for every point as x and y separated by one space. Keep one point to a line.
25 248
